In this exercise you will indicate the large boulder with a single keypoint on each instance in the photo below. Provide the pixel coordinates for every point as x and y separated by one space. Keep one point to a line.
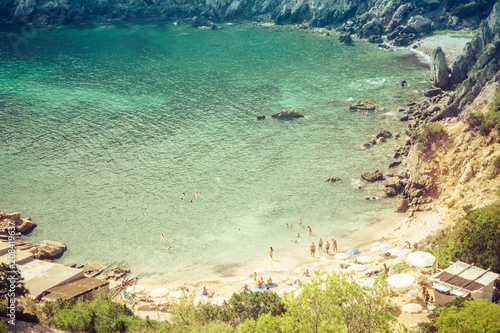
371 28
403 205
373 176
390 192
25 226
345 38
384 134
50 250
362 105
394 182
439 68
287 114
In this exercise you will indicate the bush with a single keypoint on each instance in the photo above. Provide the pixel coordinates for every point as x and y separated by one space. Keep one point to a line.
485 123
465 315
428 134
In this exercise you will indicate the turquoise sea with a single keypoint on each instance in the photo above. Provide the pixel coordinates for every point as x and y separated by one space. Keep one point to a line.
104 125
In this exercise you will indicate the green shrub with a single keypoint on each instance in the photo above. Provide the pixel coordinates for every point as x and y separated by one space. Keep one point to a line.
465 10
496 168
428 134
486 122
3 326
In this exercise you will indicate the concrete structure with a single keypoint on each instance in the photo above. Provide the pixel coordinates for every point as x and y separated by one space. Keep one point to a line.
79 288
21 257
465 280
40 276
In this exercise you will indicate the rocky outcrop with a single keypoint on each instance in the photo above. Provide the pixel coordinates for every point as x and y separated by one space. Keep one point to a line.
23 226
366 18
115 273
363 104
50 250
373 176
477 68
440 75
287 114
345 38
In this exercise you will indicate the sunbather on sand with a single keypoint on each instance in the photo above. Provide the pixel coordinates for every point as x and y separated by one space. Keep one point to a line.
269 281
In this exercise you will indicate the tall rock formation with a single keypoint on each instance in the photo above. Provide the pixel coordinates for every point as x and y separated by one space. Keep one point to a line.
439 69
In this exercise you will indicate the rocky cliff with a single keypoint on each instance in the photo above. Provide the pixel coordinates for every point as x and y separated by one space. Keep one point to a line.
367 17
461 169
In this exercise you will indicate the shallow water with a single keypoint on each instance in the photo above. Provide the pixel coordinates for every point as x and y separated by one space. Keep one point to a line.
104 126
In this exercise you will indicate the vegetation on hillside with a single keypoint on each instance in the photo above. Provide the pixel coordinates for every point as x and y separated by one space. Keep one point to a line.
485 123
428 134
464 315
475 239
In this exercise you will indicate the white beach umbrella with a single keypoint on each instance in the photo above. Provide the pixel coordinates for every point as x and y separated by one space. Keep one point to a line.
261 270
341 255
249 281
219 300
135 289
421 259
401 280
365 259
412 307
160 292
357 267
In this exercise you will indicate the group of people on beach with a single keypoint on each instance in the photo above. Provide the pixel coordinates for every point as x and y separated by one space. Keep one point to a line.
320 246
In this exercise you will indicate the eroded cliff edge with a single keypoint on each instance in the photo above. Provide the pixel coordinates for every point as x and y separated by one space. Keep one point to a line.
459 170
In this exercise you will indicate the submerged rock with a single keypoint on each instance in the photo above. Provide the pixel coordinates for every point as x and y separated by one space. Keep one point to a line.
50 250
345 38
373 176
334 180
287 114
363 104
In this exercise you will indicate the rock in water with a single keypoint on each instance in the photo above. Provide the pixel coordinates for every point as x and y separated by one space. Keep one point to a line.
439 69
287 114
50 250
345 38
373 176
384 134
334 180
362 105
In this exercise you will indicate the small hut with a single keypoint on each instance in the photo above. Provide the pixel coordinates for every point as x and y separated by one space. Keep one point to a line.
463 280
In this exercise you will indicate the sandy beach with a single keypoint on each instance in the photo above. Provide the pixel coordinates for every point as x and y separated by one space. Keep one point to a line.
451 46
394 230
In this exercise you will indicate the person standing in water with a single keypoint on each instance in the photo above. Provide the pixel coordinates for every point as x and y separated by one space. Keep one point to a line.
271 253
327 247
313 249
320 244
334 244
310 230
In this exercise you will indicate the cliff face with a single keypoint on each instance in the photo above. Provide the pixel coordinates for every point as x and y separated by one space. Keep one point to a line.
460 171
380 15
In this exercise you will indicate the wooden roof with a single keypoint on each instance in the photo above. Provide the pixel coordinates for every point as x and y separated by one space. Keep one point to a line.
465 276
74 289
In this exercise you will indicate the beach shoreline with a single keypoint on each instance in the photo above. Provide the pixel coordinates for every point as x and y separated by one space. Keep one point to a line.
395 230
